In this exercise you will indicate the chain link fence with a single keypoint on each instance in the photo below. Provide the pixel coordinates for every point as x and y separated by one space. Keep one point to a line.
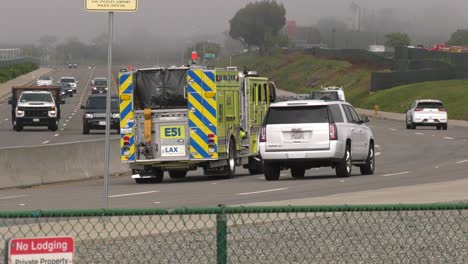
435 233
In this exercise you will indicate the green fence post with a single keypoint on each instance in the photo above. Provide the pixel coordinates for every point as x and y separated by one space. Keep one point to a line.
221 238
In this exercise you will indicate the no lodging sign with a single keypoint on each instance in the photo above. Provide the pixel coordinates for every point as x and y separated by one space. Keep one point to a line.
41 250
111 5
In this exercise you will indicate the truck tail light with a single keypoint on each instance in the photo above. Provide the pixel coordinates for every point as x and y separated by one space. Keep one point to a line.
211 138
262 134
333 131
418 109
126 141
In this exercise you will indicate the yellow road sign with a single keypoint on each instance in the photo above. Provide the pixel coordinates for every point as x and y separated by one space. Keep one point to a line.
111 5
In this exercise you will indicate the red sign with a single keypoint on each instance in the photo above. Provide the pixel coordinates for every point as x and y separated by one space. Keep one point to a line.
194 55
129 67
291 29
41 249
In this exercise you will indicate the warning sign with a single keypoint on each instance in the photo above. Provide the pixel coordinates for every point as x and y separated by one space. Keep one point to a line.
111 5
41 250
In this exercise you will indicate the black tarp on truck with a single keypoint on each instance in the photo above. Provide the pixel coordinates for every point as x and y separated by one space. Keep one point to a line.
160 88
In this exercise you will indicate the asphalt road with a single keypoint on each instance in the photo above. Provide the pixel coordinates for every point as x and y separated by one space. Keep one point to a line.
404 157
70 127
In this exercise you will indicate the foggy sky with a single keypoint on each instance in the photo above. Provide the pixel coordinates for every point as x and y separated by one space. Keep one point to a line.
24 21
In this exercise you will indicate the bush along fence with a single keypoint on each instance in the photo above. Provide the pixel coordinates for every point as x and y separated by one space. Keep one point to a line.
431 233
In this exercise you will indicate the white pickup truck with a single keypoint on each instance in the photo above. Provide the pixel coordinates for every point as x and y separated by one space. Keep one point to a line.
427 113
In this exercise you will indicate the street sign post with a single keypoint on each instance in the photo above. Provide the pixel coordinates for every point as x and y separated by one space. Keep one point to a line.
110 6
41 250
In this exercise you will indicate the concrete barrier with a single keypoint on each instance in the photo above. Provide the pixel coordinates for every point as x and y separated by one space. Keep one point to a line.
36 165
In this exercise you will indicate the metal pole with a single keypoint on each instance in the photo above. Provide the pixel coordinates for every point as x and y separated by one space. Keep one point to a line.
108 106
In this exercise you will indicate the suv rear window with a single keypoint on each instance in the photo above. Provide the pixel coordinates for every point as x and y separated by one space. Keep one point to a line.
430 105
297 115
325 95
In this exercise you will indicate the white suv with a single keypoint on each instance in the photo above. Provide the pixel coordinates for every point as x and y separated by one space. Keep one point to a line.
300 135
427 113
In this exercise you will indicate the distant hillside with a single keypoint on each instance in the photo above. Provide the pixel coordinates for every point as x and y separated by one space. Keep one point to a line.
453 93
301 73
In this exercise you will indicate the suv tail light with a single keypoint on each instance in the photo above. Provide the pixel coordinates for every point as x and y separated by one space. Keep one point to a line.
333 131
442 109
418 109
262 134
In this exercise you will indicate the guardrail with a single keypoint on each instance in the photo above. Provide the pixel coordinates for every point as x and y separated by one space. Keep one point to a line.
419 233
36 165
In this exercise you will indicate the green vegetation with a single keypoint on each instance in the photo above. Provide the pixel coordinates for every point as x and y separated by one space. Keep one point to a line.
301 73
459 38
11 72
259 24
453 93
397 39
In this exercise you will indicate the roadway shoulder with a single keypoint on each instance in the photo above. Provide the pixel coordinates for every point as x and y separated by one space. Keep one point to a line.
401 117
450 191
5 88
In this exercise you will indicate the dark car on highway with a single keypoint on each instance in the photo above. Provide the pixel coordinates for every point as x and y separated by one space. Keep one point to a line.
94 116
66 89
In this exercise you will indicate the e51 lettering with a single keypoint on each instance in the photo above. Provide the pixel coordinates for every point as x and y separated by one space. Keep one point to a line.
172 132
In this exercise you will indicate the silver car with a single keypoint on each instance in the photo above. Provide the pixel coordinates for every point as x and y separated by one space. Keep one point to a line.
300 135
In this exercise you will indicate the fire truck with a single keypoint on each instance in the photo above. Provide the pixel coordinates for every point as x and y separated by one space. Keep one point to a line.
179 119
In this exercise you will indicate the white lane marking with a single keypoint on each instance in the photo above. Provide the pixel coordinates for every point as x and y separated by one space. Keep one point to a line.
12 197
6 119
378 153
393 129
418 133
342 181
395 174
45 142
377 146
264 191
449 138
64 125
131 194
156 202
462 161
20 204
261 178
62 129
70 117
66 120
213 183
56 135
436 167
284 174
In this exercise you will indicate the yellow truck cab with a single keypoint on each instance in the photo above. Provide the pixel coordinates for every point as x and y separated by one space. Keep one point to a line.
184 118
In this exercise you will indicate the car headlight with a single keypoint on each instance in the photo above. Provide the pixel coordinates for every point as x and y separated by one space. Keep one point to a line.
19 112
89 115
95 88
115 115
105 88
52 113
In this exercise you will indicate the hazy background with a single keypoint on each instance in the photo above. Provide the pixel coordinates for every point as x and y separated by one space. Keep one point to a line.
169 26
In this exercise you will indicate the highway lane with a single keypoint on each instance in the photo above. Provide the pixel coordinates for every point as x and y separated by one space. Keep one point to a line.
404 157
70 127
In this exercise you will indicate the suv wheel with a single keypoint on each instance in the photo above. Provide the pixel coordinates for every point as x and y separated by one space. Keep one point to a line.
255 166
444 126
53 126
344 166
412 125
369 167
85 129
17 126
297 173
272 171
